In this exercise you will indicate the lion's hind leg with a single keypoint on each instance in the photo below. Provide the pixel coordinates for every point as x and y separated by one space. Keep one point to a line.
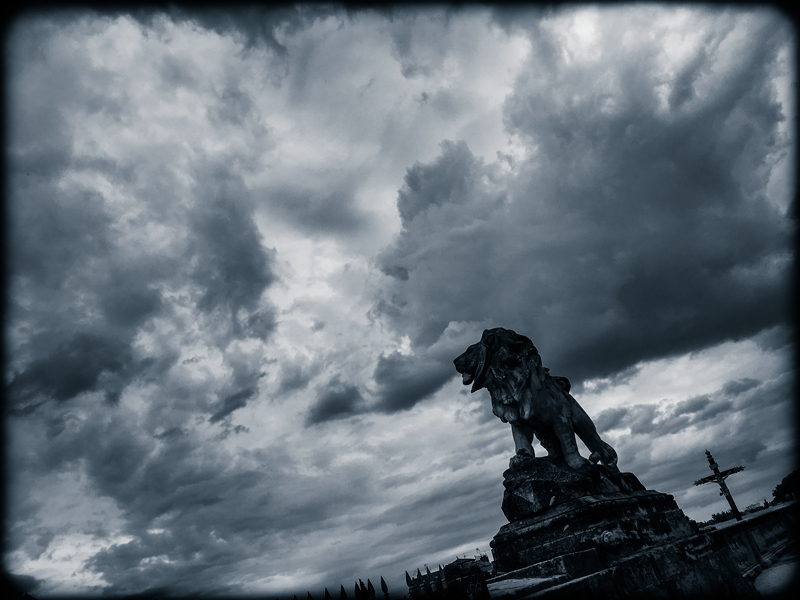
608 455
565 435
585 429
549 442
523 437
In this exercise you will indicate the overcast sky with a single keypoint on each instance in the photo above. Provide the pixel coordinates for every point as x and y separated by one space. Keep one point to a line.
245 247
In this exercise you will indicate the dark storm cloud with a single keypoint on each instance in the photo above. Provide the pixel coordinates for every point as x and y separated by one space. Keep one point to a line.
631 232
39 542
201 537
612 418
650 419
776 338
641 419
83 285
683 88
256 23
127 305
106 288
68 263
413 40
55 231
769 394
692 405
195 518
337 401
739 386
192 513
84 298
72 368
120 265
313 211
232 403
234 106
294 376
722 421
231 265
405 380
449 179
442 509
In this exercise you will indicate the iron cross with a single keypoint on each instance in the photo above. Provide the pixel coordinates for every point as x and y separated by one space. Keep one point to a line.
719 478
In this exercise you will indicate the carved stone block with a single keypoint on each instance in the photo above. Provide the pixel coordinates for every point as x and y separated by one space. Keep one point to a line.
533 485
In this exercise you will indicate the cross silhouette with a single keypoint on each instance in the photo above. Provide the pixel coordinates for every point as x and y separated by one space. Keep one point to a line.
719 478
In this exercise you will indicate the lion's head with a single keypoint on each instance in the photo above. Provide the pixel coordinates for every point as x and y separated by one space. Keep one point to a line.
500 350
506 364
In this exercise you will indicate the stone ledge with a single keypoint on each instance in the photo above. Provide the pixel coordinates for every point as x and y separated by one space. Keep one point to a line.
566 511
574 564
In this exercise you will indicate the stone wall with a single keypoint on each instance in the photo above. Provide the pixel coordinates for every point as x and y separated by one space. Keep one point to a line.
757 540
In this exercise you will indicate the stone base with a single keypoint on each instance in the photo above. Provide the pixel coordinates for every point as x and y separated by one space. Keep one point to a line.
616 525
533 485
599 533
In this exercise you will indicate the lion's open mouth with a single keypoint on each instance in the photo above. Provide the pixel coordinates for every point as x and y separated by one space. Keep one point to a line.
467 378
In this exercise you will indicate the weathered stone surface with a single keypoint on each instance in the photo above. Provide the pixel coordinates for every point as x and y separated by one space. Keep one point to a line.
533 485
690 567
669 571
616 525
625 543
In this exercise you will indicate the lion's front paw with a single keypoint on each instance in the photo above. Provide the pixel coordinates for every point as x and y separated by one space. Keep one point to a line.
520 459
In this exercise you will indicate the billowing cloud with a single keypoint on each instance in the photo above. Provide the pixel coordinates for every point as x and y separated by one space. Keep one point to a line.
123 248
255 24
669 418
448 180
337 401
230 264
244 247
231 403
664 441
74 367
404 379
331 211
293 377
740 386
637 225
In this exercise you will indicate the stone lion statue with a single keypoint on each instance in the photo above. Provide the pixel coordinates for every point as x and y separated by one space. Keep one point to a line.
534 402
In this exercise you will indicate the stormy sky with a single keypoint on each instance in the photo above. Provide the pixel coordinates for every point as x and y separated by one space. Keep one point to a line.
245 245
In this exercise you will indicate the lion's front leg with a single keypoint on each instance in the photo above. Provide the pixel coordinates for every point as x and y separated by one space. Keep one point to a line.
523 437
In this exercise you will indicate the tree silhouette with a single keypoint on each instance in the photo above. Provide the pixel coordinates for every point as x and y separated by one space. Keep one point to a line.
789 487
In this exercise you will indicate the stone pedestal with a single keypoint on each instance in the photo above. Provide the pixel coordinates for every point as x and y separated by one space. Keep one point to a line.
599 532
533 485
